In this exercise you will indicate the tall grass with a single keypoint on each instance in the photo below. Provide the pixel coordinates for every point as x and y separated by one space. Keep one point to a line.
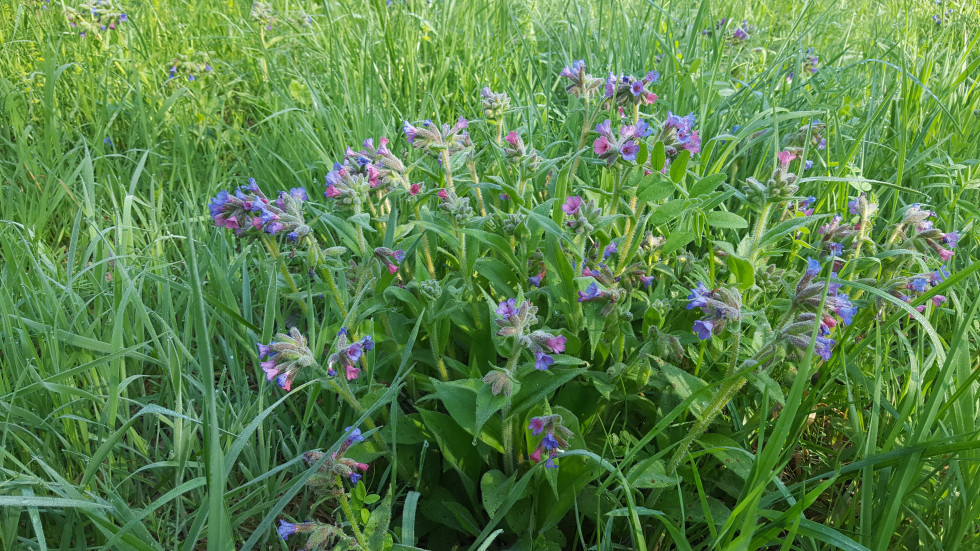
131 417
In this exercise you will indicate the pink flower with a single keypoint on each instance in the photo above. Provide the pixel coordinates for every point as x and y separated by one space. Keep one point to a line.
649 98
414 189
784 158
442 194
945 254
600 145
352 372
392 269
535 456
511 138
362 466
558 343
331 191
536 425
571 205
938 300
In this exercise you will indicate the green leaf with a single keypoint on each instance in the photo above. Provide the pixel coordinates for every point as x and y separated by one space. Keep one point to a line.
677 240
786 227
678 168
658 157
494 488
377 525
743 270
650 473
726 220
654 187
487 404
707 184
667 212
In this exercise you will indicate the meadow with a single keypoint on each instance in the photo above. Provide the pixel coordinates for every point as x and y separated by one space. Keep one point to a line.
469 274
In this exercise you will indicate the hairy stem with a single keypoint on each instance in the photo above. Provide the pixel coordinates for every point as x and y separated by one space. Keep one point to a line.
345 505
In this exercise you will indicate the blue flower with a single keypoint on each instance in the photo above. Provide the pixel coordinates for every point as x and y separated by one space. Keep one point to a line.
703 329
697 297
918 283
285 529
542 361
354 436
591 292
812 267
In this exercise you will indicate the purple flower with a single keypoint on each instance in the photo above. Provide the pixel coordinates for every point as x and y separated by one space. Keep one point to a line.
938 276
853 206
610 250
398 255
703 329
651 77
409 131
918 284
549 442
836 249
629 150
636 88
265 349
571 205
841 305
646 280
123 17
604 128
697 297
643 129
367 343
591 292
807 165
951 239
536 426
938 300
354 436
354 352
542 361
536 280
507 308
824 347
285 529
812 267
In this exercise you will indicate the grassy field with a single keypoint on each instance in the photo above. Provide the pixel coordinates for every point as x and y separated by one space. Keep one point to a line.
135 414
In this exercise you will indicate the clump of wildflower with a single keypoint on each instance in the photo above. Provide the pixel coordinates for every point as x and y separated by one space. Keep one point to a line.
553 442
434 140
189 66
391 259
515 151
337 464
494 104
95 16
812 133
720 306
345 186
809 294
458 207
742 33
624 145
348 355
582 215
515 322
781 185
677 133
583 84
319 535
378 164
248 208
627 90
811 61
285 357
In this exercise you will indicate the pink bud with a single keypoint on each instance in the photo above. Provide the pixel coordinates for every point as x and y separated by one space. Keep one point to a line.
352 372
945 254
512 138
535 456
649 98
392 269
443 194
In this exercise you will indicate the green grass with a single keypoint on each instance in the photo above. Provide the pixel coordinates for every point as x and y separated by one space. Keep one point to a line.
134 417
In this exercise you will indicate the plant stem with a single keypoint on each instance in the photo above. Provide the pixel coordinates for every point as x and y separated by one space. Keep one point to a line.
360 231
508 427
630 232
479 194
760 229
425 247
345 505
447 170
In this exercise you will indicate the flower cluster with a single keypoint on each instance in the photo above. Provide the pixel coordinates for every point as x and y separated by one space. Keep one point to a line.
378 165
267 17
809 295
337 464
678 133
348 355
95 16
742 33
189 66
553 441
583 215
583 84
321 535
285 357
516 152
391 259
436 141
926 234
515 322
249 209
494 104
611 147
781 185
627 90
719 306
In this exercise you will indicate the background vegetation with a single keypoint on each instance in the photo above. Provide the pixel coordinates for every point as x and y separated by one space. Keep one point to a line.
133 412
